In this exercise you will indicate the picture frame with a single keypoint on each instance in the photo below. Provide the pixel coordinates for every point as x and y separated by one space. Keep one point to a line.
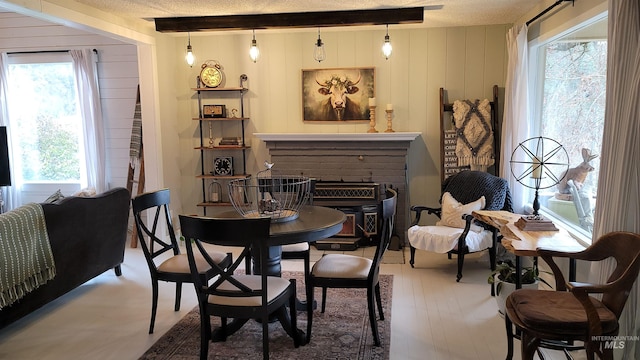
337 94
214 111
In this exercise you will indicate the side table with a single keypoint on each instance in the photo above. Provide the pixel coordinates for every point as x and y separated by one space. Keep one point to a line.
524 243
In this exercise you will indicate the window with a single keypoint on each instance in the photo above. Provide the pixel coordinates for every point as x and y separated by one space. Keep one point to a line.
571 107
45 120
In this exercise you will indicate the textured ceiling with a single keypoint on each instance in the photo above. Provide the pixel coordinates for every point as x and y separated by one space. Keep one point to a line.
438 13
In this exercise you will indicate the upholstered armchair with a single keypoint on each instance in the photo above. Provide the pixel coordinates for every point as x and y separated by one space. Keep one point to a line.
457 232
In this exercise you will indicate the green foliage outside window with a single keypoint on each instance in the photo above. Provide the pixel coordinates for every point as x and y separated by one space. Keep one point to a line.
573 112
58 150
574 98
45 109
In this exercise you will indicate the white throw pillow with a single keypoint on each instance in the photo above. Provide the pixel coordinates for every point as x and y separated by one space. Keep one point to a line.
86 192
452 212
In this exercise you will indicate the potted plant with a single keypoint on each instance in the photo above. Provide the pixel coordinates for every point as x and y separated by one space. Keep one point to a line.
504 276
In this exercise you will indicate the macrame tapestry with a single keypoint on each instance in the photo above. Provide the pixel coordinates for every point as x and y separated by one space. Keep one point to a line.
472 121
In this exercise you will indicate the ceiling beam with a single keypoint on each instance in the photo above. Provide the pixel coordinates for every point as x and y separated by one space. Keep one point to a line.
291 20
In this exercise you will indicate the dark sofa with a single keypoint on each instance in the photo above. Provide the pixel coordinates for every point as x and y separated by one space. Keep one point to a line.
87 237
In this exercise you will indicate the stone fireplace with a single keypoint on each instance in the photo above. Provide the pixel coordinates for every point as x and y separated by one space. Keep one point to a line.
379 158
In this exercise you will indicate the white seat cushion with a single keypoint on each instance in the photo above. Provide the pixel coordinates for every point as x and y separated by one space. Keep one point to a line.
342 266
297 247
180 263
442 239
275 286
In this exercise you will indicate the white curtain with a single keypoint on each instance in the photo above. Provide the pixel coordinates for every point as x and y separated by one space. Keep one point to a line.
516 109
618 204
84 65
10 194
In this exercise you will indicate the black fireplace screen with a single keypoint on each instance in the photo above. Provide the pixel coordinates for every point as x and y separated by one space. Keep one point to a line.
358 200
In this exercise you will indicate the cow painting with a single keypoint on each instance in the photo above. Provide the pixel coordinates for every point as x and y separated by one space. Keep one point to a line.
338 106
335 95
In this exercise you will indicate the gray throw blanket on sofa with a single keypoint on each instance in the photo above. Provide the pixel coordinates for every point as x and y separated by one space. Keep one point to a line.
26 259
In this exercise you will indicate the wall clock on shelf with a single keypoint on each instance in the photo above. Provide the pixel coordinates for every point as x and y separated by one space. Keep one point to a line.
211 74
223 166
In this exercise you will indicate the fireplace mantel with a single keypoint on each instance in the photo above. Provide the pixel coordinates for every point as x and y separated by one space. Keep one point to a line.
349 157
395 136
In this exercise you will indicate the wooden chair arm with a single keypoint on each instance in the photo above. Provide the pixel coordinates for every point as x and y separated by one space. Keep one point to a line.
582 290
418 209
579 290
589 288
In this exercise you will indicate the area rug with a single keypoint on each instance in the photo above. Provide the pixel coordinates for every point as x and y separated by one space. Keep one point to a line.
342 332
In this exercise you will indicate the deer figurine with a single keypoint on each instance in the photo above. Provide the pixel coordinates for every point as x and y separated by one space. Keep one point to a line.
578 174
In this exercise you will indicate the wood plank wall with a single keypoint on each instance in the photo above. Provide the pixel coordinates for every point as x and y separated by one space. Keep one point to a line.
466 61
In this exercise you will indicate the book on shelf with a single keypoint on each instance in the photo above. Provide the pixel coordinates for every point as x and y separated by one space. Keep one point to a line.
230 141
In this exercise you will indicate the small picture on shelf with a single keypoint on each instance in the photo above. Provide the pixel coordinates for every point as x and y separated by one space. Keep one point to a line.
214 111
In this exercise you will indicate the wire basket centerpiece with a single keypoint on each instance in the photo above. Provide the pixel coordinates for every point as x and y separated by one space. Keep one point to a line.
270 195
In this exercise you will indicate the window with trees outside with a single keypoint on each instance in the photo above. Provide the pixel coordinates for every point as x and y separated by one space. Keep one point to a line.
45 119
571 105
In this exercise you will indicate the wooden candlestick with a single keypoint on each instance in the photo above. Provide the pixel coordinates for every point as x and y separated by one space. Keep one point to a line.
389 116
372 119
210 135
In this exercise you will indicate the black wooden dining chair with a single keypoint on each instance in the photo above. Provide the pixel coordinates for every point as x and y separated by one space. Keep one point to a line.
349 271
162 252
238 296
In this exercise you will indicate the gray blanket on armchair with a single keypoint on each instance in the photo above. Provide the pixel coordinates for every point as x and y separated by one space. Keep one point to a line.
26 259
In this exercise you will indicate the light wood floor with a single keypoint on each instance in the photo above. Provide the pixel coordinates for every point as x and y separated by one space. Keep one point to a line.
433 317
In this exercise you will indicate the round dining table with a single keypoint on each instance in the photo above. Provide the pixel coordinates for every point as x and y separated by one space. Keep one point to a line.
313 223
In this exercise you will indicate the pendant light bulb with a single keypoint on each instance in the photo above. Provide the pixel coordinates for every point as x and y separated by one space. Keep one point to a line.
254 52
190 58
319 53
386 47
